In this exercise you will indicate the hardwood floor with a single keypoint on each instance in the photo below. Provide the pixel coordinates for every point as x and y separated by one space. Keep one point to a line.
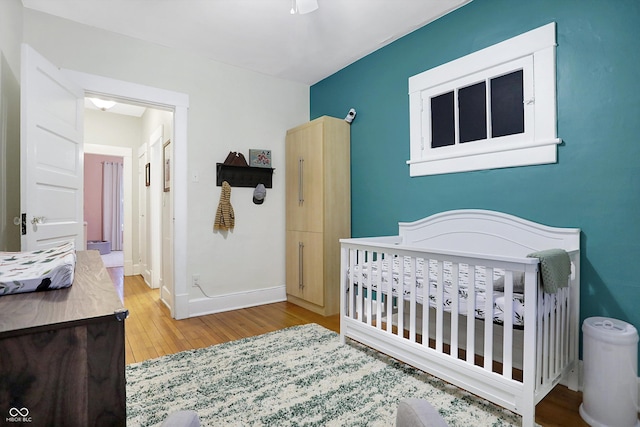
151 332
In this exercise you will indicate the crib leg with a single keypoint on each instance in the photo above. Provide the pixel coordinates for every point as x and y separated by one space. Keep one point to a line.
529 416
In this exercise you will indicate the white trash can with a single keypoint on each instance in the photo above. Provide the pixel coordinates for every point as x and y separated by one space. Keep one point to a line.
610 353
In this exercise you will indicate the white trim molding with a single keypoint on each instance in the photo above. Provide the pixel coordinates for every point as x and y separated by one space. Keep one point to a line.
532 53
179 104
235 301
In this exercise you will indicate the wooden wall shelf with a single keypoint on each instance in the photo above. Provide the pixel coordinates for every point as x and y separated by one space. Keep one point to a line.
243 176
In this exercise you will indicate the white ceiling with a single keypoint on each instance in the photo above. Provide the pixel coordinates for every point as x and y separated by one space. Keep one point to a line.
260 35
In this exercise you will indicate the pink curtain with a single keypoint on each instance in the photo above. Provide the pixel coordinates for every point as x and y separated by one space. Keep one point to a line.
112 204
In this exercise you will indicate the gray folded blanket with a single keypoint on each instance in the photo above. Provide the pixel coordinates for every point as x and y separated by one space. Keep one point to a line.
555 268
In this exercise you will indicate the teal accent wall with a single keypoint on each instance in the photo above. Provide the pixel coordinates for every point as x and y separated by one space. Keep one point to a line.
595 185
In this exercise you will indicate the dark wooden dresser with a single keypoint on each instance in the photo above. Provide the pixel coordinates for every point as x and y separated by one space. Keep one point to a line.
62 353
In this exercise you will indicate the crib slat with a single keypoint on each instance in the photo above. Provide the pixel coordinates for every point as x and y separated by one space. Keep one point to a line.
555 320
439 307
553 344
507 339
375 266
455 307
567 321
401 300
488 319
412 303
471 315
426 292
559 332
379 290
539 330
560 338
361 288
545 339
565 327
352 273
389 310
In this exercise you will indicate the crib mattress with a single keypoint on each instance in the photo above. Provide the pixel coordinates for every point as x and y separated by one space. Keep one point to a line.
37 270
373 269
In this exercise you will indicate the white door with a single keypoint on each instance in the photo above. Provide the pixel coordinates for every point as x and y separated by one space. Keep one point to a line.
168 288
144 178
51 155
154 208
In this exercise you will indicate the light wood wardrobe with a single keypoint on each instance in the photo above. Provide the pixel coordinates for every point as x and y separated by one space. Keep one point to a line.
318 200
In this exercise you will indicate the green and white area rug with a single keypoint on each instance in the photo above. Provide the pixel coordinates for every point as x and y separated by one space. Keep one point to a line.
300 376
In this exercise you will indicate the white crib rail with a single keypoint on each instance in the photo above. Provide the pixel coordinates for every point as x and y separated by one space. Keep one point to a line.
435 340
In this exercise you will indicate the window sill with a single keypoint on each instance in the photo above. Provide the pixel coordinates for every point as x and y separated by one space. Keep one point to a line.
539 152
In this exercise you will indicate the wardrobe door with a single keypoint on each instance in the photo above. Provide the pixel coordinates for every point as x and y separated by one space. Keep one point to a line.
304 178
305 277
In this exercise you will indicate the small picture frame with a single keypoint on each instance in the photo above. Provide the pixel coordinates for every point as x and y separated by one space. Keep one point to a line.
166 161
147 174
260 158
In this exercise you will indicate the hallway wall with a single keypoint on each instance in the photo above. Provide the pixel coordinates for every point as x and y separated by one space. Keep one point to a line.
93 193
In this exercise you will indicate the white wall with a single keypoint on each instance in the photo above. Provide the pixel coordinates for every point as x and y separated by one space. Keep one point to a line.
105 128
11 33
230 109
10 37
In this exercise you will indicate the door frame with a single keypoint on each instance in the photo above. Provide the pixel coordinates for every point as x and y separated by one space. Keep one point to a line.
179 104
3 164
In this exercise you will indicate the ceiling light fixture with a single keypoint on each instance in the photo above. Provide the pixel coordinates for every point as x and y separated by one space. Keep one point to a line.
102 104
303 6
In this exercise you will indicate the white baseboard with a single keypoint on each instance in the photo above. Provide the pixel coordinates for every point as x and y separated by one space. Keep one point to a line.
202 306
129 268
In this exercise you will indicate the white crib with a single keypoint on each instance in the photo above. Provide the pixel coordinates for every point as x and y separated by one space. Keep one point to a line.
529 342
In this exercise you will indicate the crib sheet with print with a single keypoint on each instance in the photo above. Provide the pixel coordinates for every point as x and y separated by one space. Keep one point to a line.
375 269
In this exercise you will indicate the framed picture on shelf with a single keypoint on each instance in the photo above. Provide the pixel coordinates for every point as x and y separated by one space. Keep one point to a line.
260 158
166 161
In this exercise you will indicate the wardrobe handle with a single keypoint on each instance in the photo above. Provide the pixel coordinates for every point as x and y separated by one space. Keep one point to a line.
300 265
300 181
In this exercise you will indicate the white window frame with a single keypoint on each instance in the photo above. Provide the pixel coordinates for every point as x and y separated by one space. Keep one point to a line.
534 53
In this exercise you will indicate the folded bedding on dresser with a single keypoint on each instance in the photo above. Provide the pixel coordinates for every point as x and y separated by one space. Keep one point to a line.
39 270
372 269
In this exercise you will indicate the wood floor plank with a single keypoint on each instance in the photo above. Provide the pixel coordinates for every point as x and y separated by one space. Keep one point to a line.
151 332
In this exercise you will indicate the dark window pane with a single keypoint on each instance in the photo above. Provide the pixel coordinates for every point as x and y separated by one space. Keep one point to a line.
442 121
507 108
472 107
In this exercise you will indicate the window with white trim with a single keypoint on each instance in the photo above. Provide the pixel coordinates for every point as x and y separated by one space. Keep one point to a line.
493 108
